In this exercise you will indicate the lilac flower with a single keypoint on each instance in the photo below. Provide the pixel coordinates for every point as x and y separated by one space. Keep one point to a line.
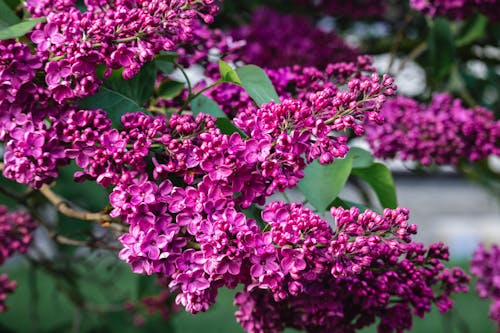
44 39
442 132
485 265
6 287
457 9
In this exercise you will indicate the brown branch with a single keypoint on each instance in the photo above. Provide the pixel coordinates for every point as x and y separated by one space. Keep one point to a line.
66 208
92 243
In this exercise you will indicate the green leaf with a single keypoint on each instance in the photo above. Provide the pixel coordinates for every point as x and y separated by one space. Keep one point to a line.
167 56
170 89
473 29
361 158
441 48
113 102
338 202
379 177
257 84
19 29
7 16
323 183
228 74
165 61
140 88
166 67
255 212
118 96
203 104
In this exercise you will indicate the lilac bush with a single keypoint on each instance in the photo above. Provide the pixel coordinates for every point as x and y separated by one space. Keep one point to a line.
443 132
485 265
457 9
188 168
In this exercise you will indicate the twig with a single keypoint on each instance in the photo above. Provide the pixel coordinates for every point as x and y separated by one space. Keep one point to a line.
92 243
64 207
399 39
414 54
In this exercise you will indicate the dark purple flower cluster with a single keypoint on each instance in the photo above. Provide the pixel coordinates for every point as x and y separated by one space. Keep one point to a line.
297 82
6 287
442 132
15 232
185 219
305 44
457 9
354 9
118 34
485 265
310 276
15 236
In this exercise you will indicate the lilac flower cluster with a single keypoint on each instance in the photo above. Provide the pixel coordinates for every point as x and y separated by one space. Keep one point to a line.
318 279
457 9
305 44
485 265
185 219
355 9
15 236
15 232
118 34
6 287
297 82
162 303
442 132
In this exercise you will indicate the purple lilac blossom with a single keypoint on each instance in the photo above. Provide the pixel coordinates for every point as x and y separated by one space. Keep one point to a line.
295 81
342 279
457 9
485 265
119 34
442 132
6 287
15 232
305 44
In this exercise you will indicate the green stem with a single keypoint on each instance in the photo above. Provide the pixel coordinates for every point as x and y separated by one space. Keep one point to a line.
193 96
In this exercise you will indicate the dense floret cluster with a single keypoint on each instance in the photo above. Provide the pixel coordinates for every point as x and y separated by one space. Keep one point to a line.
299 82
15 232
305 44
184 186
457 9
301 280
15 237
485 266
6 287
118 34
442 132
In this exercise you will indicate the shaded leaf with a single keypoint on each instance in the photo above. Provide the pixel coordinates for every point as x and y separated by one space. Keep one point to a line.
379 177
170 89
19 29
203 104
473 30
228 74
113 102
7 16
257 84
118 96
323 183
338 202
441 48
361 158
